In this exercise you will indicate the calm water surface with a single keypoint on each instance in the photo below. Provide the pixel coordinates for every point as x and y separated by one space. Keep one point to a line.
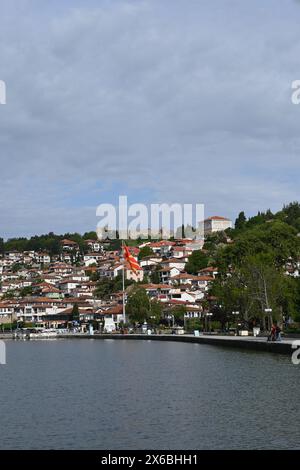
106 394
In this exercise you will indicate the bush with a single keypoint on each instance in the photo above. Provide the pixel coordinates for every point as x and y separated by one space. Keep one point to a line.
193 324
292 330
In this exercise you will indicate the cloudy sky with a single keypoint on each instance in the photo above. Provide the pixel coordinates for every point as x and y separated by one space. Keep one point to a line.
162 100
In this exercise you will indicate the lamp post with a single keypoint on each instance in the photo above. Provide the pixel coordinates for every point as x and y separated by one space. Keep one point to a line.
209 314
269 311
236 313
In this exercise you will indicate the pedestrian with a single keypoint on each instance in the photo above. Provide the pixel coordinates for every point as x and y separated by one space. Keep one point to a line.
272 335
278 333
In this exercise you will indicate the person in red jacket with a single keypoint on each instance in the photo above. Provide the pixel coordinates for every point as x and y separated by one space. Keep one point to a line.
272 336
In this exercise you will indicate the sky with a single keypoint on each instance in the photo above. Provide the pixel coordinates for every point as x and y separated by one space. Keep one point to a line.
160 100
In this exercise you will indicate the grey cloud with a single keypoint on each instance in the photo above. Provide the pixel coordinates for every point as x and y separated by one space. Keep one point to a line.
182 103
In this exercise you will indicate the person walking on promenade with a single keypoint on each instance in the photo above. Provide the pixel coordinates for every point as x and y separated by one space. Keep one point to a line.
272 335
278 333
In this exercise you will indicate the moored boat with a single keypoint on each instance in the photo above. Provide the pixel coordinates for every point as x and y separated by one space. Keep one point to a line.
35 333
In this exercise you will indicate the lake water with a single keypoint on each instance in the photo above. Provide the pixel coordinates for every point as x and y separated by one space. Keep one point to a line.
106 394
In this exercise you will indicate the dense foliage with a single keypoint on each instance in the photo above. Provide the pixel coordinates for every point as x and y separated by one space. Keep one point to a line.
253 264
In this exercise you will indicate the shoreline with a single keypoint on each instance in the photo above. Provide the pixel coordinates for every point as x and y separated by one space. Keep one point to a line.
235 342
244 343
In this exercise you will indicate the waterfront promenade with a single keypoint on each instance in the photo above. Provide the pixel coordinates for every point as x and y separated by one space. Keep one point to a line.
238 342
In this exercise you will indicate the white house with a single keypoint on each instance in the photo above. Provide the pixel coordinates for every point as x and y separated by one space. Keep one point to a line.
209 271
178 263
117 269
68 285
7 312
43 258
92 258
165 274
112 318
216 224
182 295
69 245
94 245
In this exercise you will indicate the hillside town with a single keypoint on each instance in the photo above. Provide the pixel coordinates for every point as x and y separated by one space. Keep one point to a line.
237 276
62 291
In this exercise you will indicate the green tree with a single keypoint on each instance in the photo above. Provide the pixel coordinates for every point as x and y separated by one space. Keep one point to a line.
75 313
90 236
104 288
155 312
193 324
276 241
144 252
26 291
138 305
179 314
240 221
154 276
16 267
290 214
197 261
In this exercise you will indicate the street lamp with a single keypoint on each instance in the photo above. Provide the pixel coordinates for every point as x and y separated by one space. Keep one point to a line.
269 311
209 314
236 313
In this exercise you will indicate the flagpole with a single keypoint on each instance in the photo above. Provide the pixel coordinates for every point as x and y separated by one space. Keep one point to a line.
123 280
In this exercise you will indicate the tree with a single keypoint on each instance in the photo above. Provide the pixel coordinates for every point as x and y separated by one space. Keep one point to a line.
75 313
155 312
179 313
231 293
258 290
193 324
90 236
275 241
144 252
197 261
26 291
16 267
117 284
105 286
240 221
154 276
290 214
138 305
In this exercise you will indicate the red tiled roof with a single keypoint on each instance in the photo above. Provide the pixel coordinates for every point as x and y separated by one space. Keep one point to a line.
68 242
216 217
116 310
156 286
209 269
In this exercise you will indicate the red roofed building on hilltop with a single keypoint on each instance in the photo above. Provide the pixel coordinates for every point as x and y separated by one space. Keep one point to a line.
216 224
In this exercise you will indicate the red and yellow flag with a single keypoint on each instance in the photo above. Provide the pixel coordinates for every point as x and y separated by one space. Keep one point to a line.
134 265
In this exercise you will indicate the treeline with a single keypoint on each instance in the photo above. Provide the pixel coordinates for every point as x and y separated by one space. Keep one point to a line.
290 214
49 242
